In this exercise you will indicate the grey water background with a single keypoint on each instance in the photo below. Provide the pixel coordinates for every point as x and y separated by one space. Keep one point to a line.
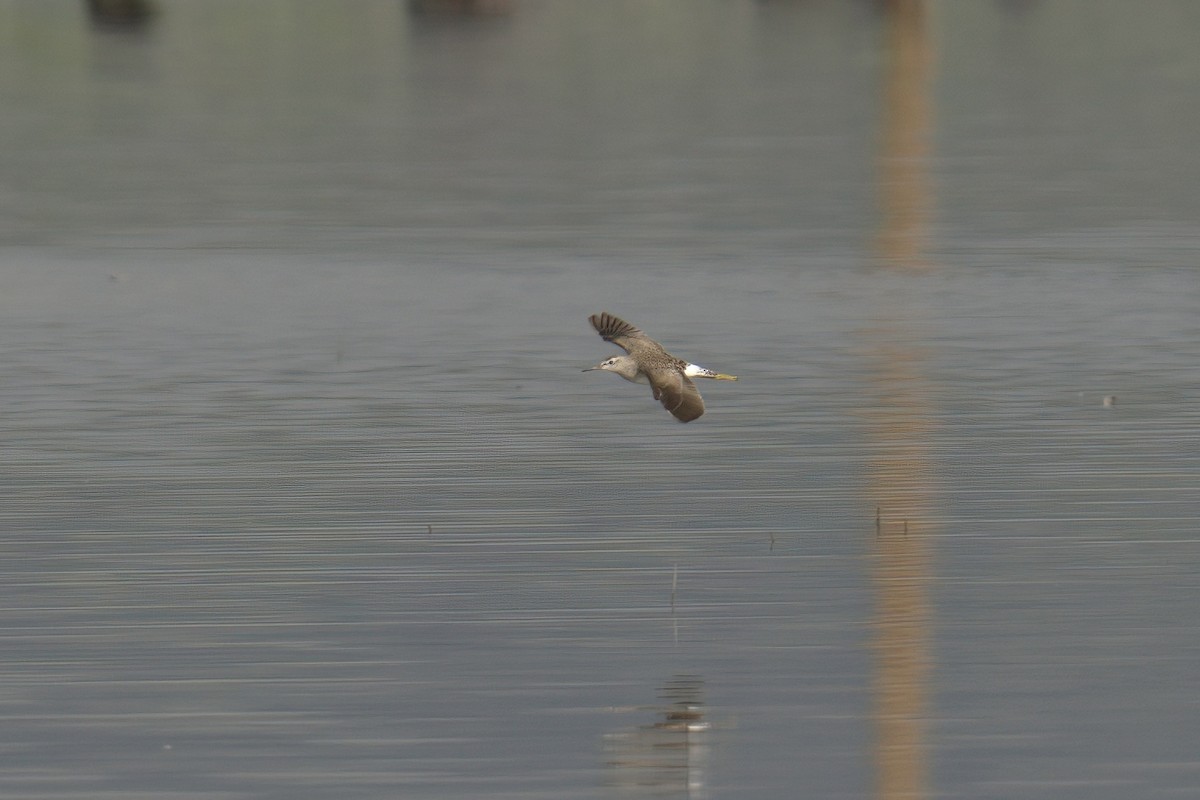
305 495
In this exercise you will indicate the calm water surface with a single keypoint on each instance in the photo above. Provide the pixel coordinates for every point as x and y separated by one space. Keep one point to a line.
305 495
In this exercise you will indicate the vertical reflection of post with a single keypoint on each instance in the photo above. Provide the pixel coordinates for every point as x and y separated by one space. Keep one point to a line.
900 477
900 421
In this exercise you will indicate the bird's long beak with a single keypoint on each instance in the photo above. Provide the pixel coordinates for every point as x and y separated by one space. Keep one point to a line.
721 376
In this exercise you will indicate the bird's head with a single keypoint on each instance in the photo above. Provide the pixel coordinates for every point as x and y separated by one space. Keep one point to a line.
624 366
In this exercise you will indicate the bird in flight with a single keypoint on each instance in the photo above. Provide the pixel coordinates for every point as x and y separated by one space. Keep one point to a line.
646 361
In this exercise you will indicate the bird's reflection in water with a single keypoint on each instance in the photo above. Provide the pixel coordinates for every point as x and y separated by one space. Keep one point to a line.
666 757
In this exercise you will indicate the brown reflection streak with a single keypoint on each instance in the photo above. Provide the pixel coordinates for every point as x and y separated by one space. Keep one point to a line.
900 478
900 423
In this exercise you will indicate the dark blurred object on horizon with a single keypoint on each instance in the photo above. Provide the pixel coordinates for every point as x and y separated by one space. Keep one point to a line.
463 7
121 13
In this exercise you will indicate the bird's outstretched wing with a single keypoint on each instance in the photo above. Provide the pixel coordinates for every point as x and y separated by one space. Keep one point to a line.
621 333
677 394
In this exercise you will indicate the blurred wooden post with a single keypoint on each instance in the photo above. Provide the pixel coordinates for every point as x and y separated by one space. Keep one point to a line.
904 151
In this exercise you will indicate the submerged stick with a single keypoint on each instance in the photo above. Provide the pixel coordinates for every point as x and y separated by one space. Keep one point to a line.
674 585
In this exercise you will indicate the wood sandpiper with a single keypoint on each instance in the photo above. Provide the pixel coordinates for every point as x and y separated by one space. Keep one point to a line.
647 362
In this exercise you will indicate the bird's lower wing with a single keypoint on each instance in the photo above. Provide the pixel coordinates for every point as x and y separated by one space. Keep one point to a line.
678 395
